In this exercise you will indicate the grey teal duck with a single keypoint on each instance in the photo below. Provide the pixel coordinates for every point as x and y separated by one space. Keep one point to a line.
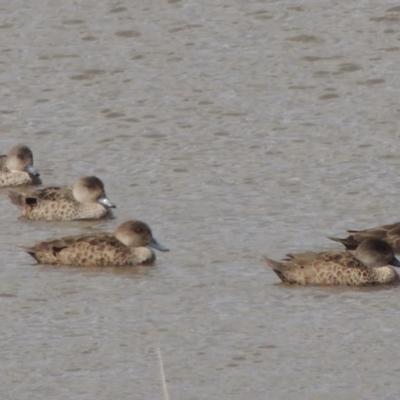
130 244
365 266
16 168
87 200
388 233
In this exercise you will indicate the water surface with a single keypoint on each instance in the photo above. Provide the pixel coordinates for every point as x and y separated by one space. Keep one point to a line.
234 129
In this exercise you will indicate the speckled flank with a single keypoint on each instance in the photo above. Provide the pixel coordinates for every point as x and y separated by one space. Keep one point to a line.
99 250
18 178
89 250
66 208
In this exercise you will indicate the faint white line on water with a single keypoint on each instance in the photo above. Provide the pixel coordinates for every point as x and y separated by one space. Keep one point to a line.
162 374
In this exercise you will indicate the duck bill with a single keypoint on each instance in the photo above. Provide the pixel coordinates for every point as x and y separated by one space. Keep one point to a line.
31 170
153 243
105 202
395 262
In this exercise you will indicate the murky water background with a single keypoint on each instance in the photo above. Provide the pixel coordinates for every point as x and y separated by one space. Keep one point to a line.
235 129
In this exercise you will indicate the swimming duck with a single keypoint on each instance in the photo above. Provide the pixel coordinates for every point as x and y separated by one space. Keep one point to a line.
367 265
128 245
86 200
16 168
388 233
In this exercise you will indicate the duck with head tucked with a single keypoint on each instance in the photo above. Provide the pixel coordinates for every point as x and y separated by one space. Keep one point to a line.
87 200
388 233
130 244
16 168
368 265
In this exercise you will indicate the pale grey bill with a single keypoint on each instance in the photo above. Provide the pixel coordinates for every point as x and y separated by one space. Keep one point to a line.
153 243
31 170
105 202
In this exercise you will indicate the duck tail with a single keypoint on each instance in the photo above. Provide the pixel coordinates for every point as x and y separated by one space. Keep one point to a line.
30 250
276 266
350 243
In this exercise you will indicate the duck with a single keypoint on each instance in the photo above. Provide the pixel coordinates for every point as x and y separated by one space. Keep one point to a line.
369 264
16 168
86 200
389 233
129 245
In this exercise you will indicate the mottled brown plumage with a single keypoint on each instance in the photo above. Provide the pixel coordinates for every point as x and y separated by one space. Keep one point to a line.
367 265
388 233
86 200
128 245
16 168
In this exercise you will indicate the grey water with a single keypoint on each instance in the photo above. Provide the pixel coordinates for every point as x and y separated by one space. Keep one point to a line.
235 129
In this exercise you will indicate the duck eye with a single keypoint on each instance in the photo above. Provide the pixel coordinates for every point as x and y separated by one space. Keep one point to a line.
138 230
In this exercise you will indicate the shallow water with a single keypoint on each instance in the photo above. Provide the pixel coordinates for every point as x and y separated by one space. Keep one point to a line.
235 129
